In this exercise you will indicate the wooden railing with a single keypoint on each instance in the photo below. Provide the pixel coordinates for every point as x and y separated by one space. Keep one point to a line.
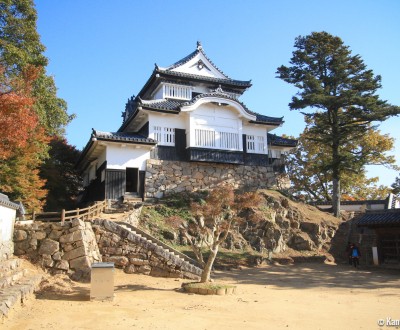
84 214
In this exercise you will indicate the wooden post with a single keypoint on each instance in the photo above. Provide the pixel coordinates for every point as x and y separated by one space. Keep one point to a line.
33 216
77 212
62 217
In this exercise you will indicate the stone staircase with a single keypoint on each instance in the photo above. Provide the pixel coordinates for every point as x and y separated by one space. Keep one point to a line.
172 257
16 284
141 233
177 258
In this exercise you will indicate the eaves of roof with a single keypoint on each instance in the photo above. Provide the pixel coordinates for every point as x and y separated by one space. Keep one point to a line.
174 106
217 94
280 141
164 105
189 76
4 201
123 137
387 218
113 137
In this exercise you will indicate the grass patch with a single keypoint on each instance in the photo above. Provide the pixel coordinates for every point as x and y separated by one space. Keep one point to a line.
226 258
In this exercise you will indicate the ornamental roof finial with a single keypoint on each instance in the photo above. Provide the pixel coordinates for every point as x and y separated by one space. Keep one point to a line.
199 46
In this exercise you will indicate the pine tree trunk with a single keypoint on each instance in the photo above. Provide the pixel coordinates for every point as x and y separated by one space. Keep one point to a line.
336 139
206 274
336 197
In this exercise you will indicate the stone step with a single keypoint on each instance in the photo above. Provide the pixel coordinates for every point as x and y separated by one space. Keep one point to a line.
11 277
18 293
9 264
164 248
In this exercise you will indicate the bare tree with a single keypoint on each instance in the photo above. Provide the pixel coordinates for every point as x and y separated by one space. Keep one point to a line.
212 221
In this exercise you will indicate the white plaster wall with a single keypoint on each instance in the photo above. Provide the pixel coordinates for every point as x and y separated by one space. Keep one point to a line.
92 172
255 130
7 219
102 158
201 89
356 207
119 158
213 117
158 93
377 207
180 121
166 120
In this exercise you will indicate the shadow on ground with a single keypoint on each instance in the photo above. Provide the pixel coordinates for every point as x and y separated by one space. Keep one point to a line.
305 276
77 293
80 293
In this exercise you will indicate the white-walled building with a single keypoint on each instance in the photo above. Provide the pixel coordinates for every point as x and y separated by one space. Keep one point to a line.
8 211
188 117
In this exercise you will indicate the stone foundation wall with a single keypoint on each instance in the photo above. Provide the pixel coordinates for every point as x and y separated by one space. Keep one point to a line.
173 176
69 249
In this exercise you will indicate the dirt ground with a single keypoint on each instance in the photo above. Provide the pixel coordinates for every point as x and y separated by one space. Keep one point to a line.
304 296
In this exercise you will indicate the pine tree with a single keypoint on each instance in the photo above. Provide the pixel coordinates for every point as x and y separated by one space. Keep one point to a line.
311 177
342 91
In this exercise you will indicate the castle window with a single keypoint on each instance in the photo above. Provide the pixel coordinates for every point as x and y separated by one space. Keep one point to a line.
255 144
164 135
169 136
157 133
173 91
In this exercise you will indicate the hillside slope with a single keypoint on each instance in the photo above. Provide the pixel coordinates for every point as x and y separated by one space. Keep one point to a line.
284 227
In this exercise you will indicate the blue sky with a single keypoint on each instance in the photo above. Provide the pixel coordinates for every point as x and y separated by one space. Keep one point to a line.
102 52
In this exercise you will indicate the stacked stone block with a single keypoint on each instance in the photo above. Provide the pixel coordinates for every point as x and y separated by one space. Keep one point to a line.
173 176
69 248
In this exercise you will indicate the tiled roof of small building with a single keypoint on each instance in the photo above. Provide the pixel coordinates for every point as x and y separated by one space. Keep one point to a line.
121 136
4 201
387 218
276 140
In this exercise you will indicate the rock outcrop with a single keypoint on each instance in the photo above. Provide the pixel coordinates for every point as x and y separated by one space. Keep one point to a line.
281 224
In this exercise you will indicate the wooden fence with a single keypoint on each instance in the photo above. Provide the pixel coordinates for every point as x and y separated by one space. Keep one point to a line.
84 214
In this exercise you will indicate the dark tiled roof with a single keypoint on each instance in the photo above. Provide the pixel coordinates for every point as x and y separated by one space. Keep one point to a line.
4 201
217 94
165 104
388 218
120 136
175 105
191 76
276 140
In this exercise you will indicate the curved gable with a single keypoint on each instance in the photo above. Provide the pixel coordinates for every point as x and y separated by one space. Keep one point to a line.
219 100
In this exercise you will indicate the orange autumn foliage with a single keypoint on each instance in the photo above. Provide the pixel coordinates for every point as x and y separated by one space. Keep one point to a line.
17 116
22 140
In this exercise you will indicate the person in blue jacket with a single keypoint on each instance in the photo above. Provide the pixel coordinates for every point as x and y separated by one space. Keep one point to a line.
355 255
